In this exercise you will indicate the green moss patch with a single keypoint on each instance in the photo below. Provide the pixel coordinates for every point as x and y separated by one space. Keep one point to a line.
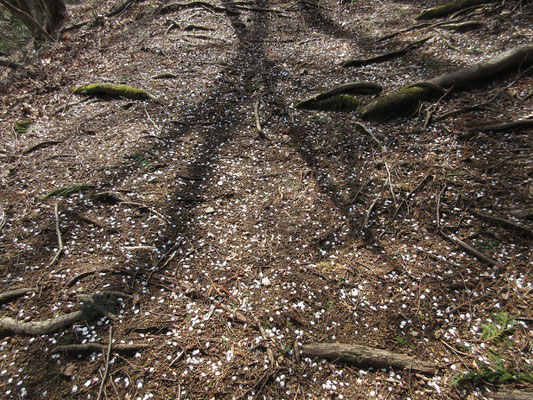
449 8
107 89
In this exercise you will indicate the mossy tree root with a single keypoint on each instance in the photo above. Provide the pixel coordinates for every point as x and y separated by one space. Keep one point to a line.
106 89
339 98
405 101
450 8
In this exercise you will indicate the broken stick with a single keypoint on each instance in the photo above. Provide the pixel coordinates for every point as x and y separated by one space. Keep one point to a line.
358 354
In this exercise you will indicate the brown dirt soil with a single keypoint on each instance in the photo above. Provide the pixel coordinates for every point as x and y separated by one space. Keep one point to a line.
216 221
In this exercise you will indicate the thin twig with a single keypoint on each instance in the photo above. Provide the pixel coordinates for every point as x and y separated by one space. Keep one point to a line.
106 372
439 196
475 252
362 128
369 211
389 181
260 131
410 194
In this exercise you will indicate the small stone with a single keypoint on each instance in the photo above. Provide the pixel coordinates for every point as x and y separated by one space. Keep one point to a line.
414 333
265 281
209 210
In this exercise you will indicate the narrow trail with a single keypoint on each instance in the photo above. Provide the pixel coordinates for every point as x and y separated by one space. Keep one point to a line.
239 249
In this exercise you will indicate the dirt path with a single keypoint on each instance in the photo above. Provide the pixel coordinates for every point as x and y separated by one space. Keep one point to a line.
219 232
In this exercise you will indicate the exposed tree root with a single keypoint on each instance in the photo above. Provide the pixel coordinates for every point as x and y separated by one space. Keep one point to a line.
106 89
406 100
384 57
364 355
94 306
339 98
519 123
450 8
14 294
195 4
505 223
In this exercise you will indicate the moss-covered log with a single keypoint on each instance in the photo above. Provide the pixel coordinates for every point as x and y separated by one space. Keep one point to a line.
450 8
407 99
106 89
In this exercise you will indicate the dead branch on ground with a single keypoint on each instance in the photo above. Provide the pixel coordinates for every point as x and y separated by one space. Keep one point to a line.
106 371
505 223
473 251
361 355
74 350
260 132
450 8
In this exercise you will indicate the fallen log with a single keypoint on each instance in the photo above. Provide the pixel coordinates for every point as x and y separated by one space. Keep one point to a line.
450 8
407 99
364 355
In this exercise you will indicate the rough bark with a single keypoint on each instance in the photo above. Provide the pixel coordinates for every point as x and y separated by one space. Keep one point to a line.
511 396
406 100
47 14
364 355
88 348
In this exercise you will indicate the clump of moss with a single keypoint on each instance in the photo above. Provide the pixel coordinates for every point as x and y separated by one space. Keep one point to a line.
107 89
497 374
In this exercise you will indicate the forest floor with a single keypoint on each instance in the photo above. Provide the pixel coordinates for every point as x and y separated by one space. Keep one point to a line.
234 251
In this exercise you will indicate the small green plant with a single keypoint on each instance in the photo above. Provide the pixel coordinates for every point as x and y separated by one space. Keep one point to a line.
330 305
68 190
320 119
501 323
496 374
22 126
486 245
401 340
141 161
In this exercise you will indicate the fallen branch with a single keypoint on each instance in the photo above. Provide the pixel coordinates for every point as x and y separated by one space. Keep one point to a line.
59 238
410 194
384 57
463 26
405 100
6 62
194 4
361 128
505 223
369 211
473 251
41 145
364 355
260 132
74 350
14 294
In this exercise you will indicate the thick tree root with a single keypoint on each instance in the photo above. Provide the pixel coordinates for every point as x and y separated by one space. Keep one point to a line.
406 100
94 306
339 98
450 8
14 294
364 355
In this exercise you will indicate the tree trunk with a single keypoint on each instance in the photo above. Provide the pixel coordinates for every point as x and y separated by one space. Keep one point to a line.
41 16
